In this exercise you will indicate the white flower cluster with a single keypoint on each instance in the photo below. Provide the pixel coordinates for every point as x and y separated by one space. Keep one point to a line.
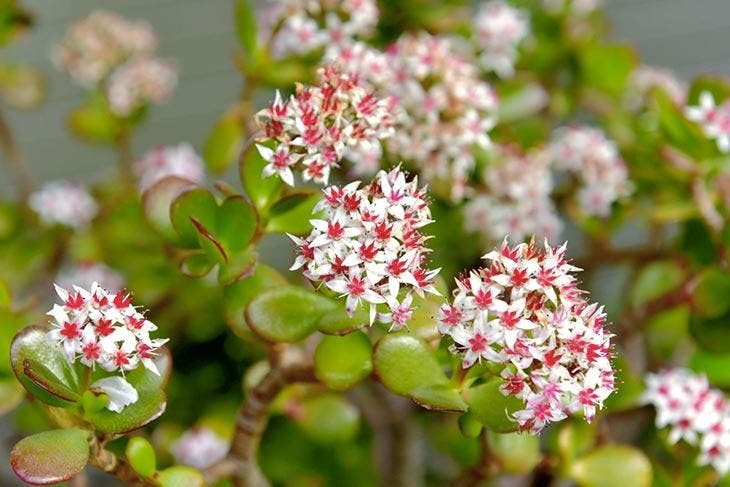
646 78
96 326
586 152
169 160
694 411
714 119
369 246
498 31
84 274
64 203
516 198
141 81
524 310
200 448
107 51
321 125
302 26
95 45
444 108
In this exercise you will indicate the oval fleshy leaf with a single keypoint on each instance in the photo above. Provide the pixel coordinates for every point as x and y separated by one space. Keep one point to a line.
338 322
39 364
156 202
198 204
404 363
329 419
342 362
292 214
260 190
238 295
51 456
224 142
491 407
149 406
181 475
439 397
141 456
613 465
286 314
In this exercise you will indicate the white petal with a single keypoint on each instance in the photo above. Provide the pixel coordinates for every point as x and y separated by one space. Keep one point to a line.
121 393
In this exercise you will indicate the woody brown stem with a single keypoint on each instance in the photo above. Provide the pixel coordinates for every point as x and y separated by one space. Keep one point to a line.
14 161
288 365
118 467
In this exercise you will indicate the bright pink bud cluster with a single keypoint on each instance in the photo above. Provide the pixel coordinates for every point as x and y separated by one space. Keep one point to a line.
319 126
96 326
369 246
169 160
524 310
300 26
694 411
515 200
498 31
445 109
714 119
595 159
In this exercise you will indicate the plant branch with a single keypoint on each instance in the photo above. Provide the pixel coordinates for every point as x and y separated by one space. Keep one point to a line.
118 467
487 467
125 157
289 364
14 161
635 318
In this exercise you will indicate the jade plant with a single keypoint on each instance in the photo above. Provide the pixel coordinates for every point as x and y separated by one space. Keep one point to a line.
363 277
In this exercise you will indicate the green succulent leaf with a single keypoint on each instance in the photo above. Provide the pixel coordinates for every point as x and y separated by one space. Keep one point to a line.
329 418
492 408
51 456
156 202
440 397
262 191
404 363
246 26
340 362
286 314
338 322
238 295
224 143
613 465
517 453
141 456
198 204
39 364
292 213
181 476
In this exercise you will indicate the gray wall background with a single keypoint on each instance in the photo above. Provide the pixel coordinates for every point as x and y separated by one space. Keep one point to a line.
689 36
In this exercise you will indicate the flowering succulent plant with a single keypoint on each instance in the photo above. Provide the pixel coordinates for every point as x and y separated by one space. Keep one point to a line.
388 338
